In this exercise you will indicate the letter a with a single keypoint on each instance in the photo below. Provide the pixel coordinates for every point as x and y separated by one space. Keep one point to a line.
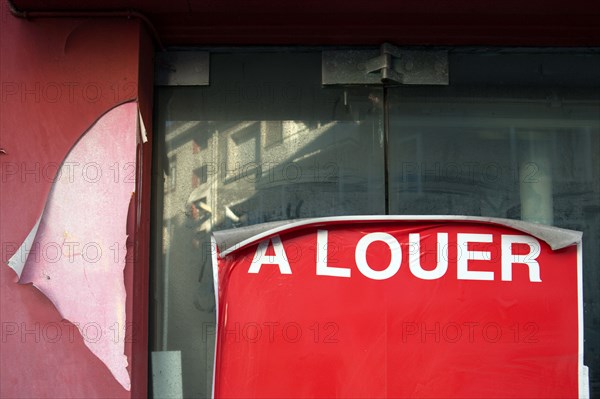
279 259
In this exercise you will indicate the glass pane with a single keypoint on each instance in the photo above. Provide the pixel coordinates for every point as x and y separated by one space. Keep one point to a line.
263 142
515 136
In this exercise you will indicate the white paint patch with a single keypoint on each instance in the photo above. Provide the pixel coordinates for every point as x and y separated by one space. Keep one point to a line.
142 126
78 255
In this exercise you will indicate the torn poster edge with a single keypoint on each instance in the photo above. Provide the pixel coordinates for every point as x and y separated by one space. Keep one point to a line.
232 240
215 270
583 381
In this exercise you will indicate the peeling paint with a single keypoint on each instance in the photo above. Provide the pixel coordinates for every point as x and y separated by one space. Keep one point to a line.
18 260
143 132
78 255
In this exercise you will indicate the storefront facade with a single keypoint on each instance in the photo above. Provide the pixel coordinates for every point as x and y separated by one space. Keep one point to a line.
239 114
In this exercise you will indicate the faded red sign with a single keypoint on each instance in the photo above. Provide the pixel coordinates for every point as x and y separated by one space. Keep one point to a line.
394 307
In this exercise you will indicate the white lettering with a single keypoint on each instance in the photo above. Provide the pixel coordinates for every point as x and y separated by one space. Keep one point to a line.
361 256
530 259
279 259
322 268
414 259
463 272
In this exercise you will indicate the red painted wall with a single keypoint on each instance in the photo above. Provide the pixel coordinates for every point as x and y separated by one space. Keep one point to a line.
58 76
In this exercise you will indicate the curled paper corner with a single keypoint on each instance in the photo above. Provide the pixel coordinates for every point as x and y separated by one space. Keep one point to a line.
233 239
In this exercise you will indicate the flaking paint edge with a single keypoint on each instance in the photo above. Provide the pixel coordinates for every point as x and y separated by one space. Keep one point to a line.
18 261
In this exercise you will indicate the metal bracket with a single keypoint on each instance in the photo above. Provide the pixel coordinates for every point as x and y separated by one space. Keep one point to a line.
182 68
389 65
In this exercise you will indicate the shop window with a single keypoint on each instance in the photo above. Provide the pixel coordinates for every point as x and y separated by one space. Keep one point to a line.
515 135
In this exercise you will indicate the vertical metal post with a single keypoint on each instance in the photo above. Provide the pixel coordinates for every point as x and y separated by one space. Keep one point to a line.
386 129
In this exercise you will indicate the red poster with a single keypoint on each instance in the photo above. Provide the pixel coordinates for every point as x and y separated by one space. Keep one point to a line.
392 306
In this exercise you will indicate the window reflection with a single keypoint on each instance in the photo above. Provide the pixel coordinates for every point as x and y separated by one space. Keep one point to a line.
295 151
